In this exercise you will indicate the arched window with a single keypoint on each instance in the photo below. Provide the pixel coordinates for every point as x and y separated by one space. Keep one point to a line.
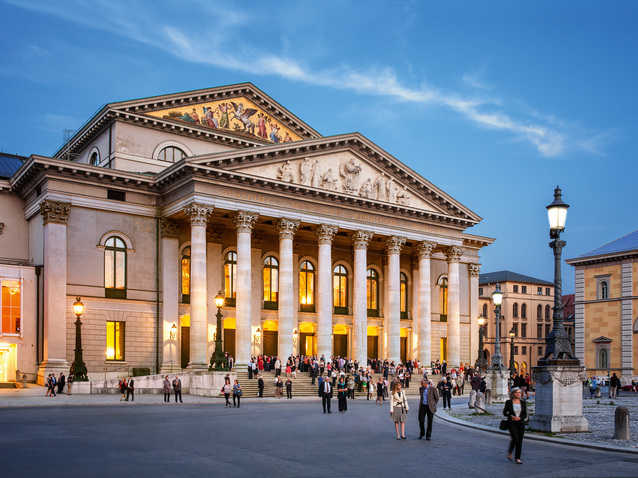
115 268
307 287
523 311
515 310
94 159
485 310
603 358
443 300
547 312
271 282
539 312
186 275
230 279
372 292
340 290
604 290
404 296
171 154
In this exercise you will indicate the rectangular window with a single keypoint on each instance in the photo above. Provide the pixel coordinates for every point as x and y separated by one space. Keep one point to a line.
539 330
540 350
480 291
547 329
524 350
524 289
515 328
515 289
515 349
115 340
539 291
523 330
10 303
547 291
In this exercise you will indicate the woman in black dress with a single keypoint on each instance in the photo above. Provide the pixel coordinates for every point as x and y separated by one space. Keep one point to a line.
516 412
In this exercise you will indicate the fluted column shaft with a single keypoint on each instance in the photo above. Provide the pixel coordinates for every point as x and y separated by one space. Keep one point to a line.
453 255
244 221
393 287
425 303
286 306
360 240
325 234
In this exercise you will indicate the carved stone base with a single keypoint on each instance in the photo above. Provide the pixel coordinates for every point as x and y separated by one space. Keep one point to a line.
54 367
496 381
169 367
559 399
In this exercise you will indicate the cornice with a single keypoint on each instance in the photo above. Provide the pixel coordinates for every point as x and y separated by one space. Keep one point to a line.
604 258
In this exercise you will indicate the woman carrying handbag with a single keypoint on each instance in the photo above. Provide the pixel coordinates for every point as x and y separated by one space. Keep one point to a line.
399 409
516 412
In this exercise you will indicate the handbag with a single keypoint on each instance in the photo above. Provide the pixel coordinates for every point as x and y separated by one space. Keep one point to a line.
239 393
503 425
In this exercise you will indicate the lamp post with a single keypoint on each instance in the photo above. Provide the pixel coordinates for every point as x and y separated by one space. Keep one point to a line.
78 368
512 363
217 360
497 358
481 362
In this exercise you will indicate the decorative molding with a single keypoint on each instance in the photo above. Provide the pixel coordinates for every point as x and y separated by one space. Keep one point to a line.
394 244
198 214
563 377
454 254
257 239
287 228
414 261
425 249
244 221
55 212
169 228
214 232
325 233
474 269
361 239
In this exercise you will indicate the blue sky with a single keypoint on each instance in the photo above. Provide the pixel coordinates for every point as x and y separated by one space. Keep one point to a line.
494 102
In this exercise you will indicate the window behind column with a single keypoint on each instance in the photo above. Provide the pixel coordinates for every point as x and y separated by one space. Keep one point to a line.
443 300
10 303
372 286
404 296
307 287
115 268
115 340
186 275
230 279
340 290
271 283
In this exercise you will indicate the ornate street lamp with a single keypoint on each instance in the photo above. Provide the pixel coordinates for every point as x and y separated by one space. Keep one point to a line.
217 360
173 332
295 335
558 346
512 363
257 335
481 362
497 358
78 368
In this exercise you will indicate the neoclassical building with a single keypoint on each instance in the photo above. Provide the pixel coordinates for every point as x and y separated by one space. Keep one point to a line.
320 245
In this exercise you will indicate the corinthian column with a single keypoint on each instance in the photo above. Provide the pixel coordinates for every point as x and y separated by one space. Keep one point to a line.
325 235
198 215
474 270
453 255
286 308
244 221
360 240
56 217
170 294
425 303
393 286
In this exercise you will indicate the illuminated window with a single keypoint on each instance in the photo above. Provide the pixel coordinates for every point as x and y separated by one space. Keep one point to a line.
307 287
186 275
515 310
404 296
115 268
372 286
171 154
271 282
340 290
230 279
443 300
10 303
115 340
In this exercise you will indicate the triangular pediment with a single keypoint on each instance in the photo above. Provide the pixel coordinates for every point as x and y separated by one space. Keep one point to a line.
602 340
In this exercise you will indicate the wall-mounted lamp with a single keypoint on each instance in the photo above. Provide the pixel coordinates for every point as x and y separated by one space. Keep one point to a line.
257 335
173 332
295 335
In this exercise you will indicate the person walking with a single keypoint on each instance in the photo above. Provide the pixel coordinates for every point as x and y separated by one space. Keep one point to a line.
289 389
325 391
380 389
279 387
342 391
429 397
69 384
445 388
62 382
237 393
260 385
166 388
593 384
177 388
226 389
516 412
130 389
614 386
399 410
122 387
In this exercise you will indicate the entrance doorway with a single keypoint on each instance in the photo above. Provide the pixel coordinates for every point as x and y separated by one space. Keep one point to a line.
340 345
404 349
373 346
229 341
270 342
443 349
185 346
307 344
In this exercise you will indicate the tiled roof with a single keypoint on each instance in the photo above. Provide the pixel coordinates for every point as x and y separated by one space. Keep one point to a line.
9 164
624 244
508 276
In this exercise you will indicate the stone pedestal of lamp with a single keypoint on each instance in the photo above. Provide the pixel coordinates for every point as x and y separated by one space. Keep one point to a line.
496 381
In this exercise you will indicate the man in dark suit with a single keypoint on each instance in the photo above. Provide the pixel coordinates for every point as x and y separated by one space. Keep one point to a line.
429 396
325 390
260 384
130 390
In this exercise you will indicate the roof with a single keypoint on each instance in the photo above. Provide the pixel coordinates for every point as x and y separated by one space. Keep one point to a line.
9 164
509 276
624 244
569 306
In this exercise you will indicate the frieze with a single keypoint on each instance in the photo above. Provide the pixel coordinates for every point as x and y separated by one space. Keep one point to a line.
244 221
287 228
325 233
55 212
198 214
360 239
214 232
564 377
169 228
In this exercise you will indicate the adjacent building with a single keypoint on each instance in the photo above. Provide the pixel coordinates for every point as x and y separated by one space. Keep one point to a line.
319 245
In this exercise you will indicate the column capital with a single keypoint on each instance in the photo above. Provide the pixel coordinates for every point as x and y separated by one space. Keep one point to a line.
394 244
198 213
425 249
325 233
287 228
169 228
454 254
360 239
474 269
244 221
55 212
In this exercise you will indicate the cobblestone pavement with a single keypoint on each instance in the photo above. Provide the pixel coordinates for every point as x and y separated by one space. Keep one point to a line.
599 413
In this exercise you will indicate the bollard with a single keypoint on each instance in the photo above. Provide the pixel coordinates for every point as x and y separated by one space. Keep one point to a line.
598 393
480 403
24 380
621 424
488 396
